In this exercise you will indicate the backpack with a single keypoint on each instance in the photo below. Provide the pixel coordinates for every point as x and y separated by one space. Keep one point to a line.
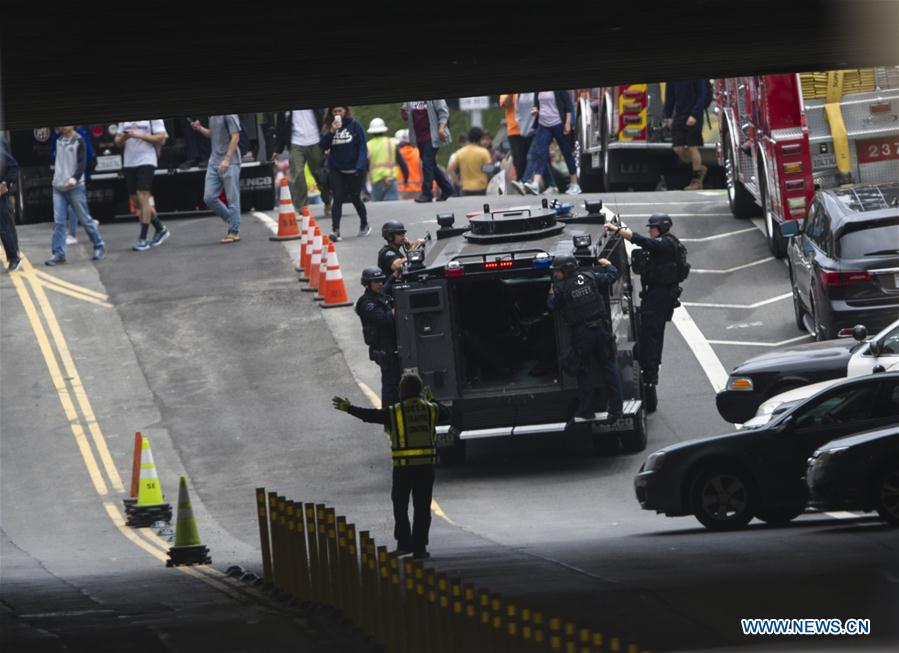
680 259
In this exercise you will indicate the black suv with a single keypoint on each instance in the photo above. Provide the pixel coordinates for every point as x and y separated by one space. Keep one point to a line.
844 261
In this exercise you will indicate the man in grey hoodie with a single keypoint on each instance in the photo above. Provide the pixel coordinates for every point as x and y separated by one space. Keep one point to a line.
69 191
429 129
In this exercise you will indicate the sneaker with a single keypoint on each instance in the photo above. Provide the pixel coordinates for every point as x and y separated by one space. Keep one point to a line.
517 185
141 245
551 190
421 199
71 240
531 188
160 237
698 178
421 555
230 237
364 231
444 196
400 552
574 189
14 264
56 259
99 253
334 236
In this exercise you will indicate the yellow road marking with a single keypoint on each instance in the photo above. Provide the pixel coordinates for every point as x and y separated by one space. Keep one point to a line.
75 380
72 293
45 276
59 384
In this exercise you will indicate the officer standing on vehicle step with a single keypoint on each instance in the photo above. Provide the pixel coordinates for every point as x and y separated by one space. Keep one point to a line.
662 265
393 254
412 425
579 295
376 310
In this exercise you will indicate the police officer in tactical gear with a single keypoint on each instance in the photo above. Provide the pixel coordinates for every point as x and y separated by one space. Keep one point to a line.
659 271
581 298
376 310
412 425
393 254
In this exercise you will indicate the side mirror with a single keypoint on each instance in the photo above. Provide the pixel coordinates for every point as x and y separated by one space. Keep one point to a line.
789 228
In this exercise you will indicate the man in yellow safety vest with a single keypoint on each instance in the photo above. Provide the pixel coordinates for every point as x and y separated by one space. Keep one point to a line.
412 426
385 163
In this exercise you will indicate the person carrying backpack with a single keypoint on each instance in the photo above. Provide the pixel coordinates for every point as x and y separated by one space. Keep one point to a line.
662 266
685 103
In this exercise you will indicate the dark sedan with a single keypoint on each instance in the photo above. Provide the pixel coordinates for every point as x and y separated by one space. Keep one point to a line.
860 472
726 480
844 261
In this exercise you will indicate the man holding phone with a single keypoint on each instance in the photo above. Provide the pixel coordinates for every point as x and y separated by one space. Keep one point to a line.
142 140
223 171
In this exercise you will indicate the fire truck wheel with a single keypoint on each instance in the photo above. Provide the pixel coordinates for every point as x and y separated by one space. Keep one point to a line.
635 440
776 242
741 202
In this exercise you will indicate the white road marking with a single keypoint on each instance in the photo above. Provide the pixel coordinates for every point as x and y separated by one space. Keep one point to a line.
665 204
701 348
738 343
733 269
717 236
267 221
679 215
744 325
764 302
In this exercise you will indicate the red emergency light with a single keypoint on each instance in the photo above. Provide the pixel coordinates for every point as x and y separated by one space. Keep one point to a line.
497 265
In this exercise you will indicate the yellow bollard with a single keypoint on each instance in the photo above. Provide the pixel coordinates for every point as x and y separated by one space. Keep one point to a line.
457 619
382 612
302 552
264 539
570 638
277 562
555 634
583 639
333 559
615 645
541 641
484 623
513 642
422 607
324 563
368 602
633 648
469 633
394 619
597 641
312 541
497 631
291 554
354 589
443 632
407 635
342 564
525 630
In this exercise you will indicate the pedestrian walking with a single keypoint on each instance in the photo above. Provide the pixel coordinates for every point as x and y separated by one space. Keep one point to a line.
412 426
300 131
72 218
517 141
470 164
142 140
69 191
223 171
553 112
429 130
661 268
385 163
9 173
344 141
410 185
684 104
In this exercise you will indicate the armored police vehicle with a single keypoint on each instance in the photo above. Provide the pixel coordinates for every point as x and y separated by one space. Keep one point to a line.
473 322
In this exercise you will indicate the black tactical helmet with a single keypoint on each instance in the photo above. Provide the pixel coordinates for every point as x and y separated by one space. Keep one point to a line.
372 274
392 227
565 262
661 221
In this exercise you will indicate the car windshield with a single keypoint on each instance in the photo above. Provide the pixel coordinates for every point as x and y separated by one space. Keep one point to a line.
879 238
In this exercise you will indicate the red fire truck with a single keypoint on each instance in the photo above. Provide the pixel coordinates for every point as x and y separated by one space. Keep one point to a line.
784 135
622 141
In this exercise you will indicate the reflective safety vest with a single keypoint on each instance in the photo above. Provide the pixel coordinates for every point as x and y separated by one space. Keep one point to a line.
413 162
412 426
382 159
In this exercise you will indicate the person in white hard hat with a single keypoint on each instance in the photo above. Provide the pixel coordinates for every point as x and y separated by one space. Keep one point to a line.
385 163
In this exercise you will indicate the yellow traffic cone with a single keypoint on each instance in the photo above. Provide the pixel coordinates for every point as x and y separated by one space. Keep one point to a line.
151 506
188 549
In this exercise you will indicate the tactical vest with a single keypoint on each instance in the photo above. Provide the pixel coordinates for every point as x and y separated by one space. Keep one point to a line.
582 301
376 336
661 268
382 159
412 427
383 263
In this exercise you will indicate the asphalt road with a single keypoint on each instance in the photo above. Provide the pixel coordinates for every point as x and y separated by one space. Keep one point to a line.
216 355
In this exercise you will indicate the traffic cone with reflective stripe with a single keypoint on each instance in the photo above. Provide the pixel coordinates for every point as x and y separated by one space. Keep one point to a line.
323 269
304 244
188 549
315 261
335 290
306 251
287 219
151 506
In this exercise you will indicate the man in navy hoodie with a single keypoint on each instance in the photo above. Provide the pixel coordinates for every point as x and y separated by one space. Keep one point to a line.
684 104
347 166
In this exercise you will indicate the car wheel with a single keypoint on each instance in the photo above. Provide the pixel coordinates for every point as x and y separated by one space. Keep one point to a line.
722 498
635 440
886 494
798 308
823 331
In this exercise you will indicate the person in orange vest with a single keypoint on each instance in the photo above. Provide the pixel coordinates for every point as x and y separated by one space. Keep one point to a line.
517 142
410 185
385 163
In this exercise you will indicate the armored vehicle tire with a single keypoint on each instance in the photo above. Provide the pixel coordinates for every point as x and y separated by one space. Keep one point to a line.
635 440
605 444
454 455
741 202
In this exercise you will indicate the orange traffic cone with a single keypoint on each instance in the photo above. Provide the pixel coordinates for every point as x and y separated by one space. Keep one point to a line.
322 269
287 219
304 242
335 290
307 265
314 261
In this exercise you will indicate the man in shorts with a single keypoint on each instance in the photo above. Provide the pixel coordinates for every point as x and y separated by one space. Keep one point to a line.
141 140
684 106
